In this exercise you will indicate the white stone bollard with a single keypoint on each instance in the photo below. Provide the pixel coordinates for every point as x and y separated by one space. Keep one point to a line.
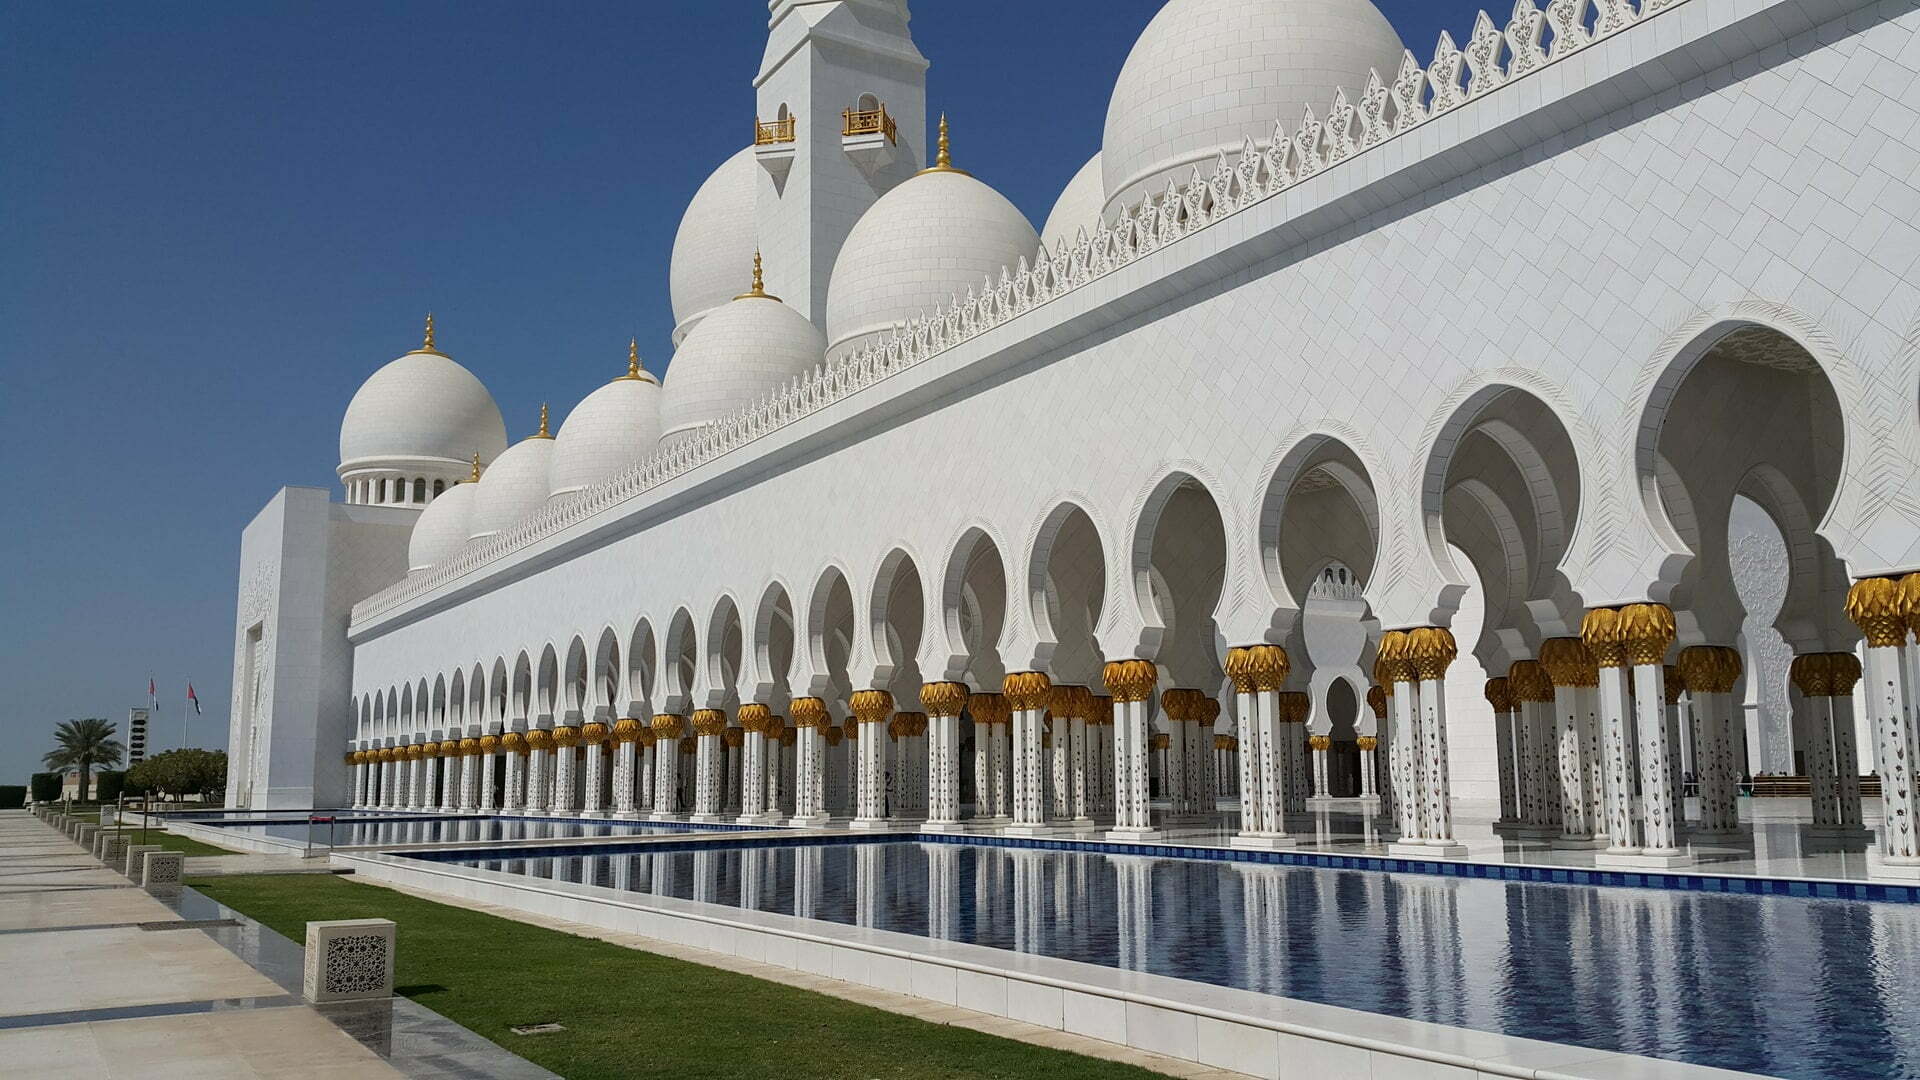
84 835
113 850
160 871
349 960
136 858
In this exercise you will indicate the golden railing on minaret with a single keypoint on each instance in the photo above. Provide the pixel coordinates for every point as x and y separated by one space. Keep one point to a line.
772 132
870 122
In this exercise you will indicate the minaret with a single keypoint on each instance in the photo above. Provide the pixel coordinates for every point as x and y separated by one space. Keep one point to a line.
825 59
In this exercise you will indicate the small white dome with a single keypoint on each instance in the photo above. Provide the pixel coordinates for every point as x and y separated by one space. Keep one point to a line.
920 245
442 528
1077 208
737 354
1206 74
515 485
421 406
715 240
614 427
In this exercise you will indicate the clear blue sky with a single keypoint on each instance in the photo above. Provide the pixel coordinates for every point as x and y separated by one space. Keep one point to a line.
217 218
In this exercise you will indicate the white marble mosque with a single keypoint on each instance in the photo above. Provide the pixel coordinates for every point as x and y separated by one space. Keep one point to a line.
1530 420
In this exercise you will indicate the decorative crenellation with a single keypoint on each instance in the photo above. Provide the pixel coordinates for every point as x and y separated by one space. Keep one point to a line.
1286 156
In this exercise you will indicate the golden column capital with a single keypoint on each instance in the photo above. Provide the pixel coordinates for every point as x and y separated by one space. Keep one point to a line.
734 736
565 736
871 706
1295 707
1600 633
1225 742
754 717
988 708
595 732
1647 631
1239 669
709 722
1880 608
626 730
1393 662
540 739
1709 669
469 747
1431 650
668 725
1065 701
1026 690
1500 694
1367 742
1207 711
1568 663
687 747
1159 740
1910 593
1377 701
943 698
1181 705
1320 742
1843 670
832 734
1528 681
809 712
352 757
1257 667
1812 674
489 743
513 742
1130 680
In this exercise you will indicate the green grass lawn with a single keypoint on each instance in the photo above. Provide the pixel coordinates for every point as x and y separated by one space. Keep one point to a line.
186 845
636 1014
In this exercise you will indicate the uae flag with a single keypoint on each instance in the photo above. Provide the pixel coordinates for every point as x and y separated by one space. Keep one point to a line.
195 698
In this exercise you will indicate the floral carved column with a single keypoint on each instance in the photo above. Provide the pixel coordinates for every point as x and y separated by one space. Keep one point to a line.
667 731
1571 666
1258 672
1500 699
1131 683
810 718
944 702
871 710
708 728
1711 672
1027 694
626 751
539 783
593 737
566 739
517 751
1843 673
1880 607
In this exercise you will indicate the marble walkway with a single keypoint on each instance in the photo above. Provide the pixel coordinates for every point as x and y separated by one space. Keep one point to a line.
104 980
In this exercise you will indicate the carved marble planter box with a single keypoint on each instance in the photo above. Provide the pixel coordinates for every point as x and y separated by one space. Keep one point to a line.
161 870
349 960
135 859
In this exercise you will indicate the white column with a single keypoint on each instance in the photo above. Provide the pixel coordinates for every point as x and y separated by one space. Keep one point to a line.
871 711
808 792
1408 781
1500 699
1844 672
943 702
1432 651
709 763
539 782
1567 663
1027 694
593 802
1617 752
983 708
566 758
1369 781
470 767
645 768
754 719
519 760
1131 682
1175 705
1659 799
1710 672
1879 608
668 730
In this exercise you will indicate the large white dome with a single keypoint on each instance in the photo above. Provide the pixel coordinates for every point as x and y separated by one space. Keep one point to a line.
715 240
515 485
616 426
422 407
921 244
1206 74
737 354
1077 208
442 528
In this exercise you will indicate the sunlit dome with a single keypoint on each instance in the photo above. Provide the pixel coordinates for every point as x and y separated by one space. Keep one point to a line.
928 240
715 240
614 427
515 485
443 527
739 352
1206 74
421 411
1077 208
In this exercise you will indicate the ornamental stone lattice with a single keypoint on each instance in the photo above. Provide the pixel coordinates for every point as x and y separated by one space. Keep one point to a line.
349 960
135 859
161 871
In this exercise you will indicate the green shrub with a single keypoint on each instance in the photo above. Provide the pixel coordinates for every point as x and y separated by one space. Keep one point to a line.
107 785
46 786
13 796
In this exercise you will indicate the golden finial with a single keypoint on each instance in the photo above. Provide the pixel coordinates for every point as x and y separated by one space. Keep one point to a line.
759 290
426 345
543 433
943 156
635 373
476 468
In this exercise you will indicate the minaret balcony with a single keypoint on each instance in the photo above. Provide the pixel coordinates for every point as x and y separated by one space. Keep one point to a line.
773 144
869 135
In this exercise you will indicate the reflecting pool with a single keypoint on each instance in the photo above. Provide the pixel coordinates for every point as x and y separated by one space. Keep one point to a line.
358 831
1779 985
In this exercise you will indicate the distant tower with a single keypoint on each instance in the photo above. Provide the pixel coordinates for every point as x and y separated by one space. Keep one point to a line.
842 110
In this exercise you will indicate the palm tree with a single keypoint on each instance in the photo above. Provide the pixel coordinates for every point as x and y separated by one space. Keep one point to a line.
80 745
